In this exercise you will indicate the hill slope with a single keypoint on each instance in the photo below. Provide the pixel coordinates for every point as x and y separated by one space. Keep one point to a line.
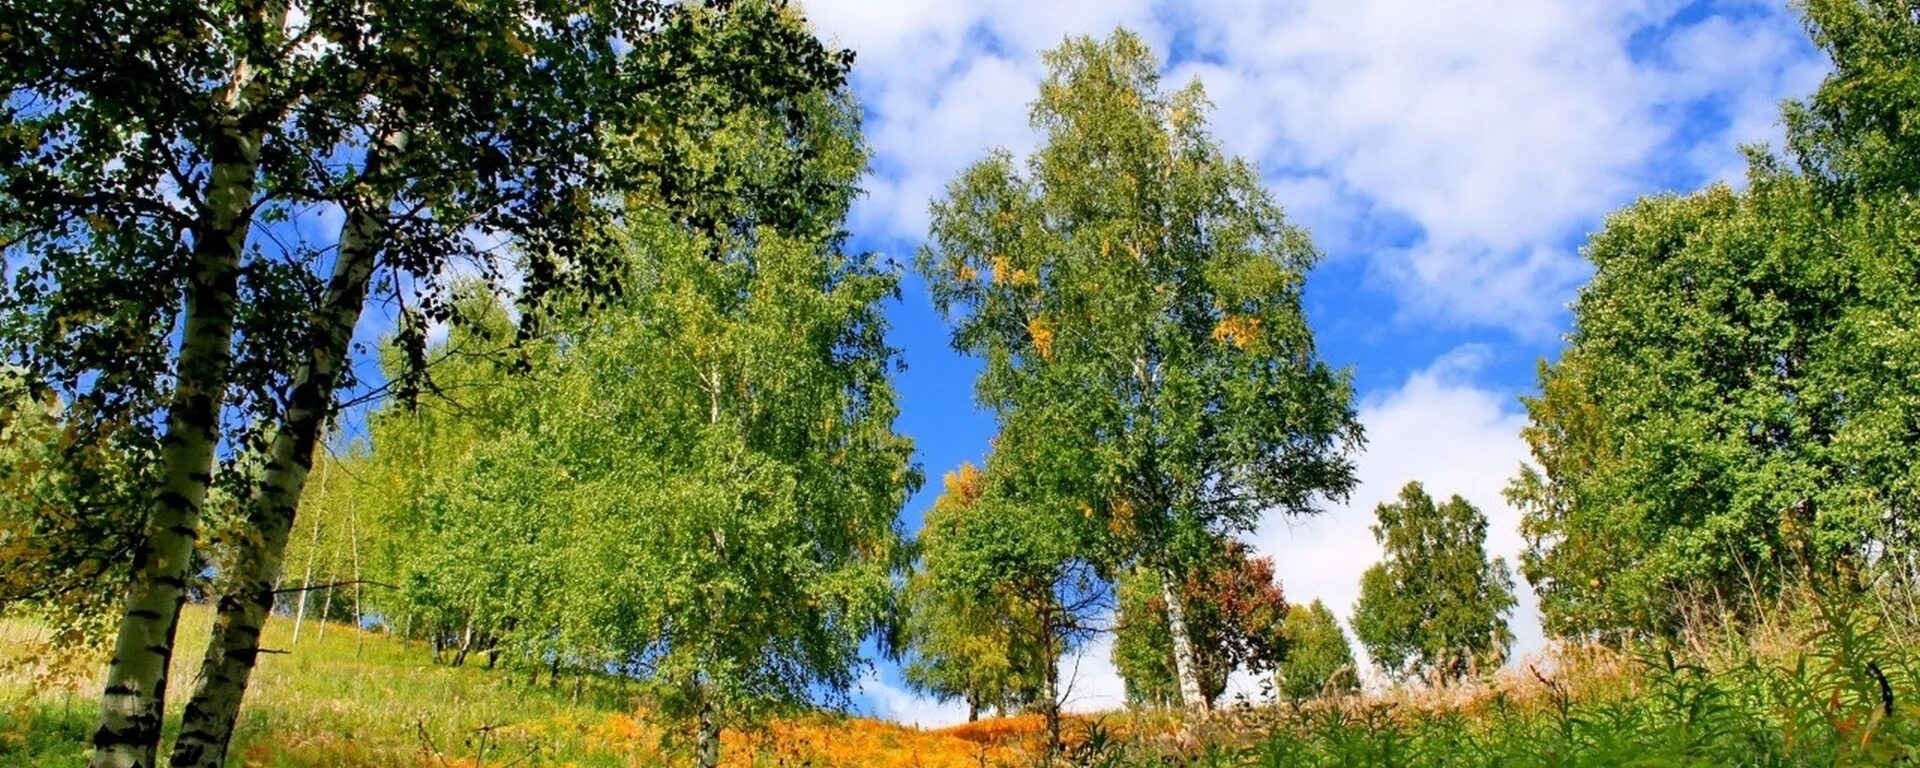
347 697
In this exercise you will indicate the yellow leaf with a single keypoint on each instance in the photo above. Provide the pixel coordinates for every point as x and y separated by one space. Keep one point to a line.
1042 334
1238 330
518 45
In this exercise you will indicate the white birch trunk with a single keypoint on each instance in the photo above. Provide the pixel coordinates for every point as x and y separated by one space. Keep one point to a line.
206 727
134 698
1183 662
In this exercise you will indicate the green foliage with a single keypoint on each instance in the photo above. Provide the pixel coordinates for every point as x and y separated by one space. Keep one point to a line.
696 483
1859 135
70 500
1235 613
141 143
1318 661
1838 704
1435 604
1735 411
1135 297
961 641
1017 567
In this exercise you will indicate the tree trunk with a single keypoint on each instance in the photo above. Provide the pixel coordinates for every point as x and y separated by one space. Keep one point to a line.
353 542
466 642
707 740
306 582
134 698
1052 704
207 725
326 609
1184 666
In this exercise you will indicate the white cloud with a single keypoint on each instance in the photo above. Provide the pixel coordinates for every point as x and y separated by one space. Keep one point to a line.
1499 133
1437 428
901 705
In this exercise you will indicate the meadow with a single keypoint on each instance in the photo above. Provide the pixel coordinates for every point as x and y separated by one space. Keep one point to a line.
563 333
1819 686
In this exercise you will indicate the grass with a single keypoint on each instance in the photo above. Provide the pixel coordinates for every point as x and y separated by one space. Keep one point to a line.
1839 691
343 697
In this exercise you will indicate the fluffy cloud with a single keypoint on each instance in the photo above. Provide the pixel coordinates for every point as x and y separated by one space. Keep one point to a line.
1499 134
1440 429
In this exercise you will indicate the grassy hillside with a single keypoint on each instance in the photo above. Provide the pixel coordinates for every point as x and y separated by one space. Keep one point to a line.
1822 687
344 697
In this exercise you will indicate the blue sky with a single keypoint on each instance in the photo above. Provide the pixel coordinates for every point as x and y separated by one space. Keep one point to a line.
1449 159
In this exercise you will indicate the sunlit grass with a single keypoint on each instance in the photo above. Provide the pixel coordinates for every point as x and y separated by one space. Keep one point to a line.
1821 688
343 697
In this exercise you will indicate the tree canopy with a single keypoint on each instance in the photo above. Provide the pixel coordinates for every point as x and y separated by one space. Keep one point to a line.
1135 297
1318 660
1435 604
1734 413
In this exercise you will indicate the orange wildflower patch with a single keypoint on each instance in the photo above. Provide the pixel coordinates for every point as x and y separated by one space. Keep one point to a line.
857 742
1000 730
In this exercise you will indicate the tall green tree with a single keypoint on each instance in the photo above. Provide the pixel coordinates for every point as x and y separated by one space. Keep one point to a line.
144 141
769 540
1734 411
1135 297
696 482
1436 604
1024 557
1235 614
1318 661
960 642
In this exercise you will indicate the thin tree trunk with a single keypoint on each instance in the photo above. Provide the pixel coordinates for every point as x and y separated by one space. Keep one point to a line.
1051 682
306 582
326 609
1184 667
466 642
134 698
359 616
707 741
207 725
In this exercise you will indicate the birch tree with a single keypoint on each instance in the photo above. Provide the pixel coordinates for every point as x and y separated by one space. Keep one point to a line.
962 642
695 482
1235 615
1135 295
1436 603
144 143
